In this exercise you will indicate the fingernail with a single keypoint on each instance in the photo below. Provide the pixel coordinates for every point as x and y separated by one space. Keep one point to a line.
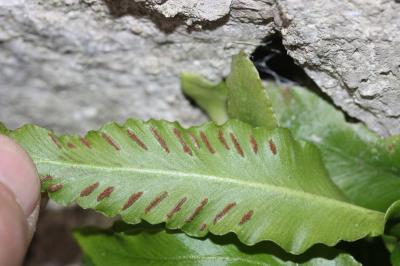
19 175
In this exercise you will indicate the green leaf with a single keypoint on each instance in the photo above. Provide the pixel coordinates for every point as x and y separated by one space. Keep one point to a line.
87 260
395 230
392 218
395 256
141 245
260 184
247 99
390 242
209 96
364 166
3 129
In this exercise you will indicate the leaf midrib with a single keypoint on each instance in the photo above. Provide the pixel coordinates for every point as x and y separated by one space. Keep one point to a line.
220 179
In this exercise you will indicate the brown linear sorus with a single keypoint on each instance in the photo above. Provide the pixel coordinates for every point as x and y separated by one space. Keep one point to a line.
197 210
110 141
206 142
177 208
55 140
136 139
85 142
253 143
194 140
203 227
155 202
225 211
237 145
246 217
89 189
132 199
46 178
272 147
71 145
222 139
54 188
105 193
185 147
160 140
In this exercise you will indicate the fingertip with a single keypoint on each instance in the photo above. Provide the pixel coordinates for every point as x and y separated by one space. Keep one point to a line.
14 234
19 175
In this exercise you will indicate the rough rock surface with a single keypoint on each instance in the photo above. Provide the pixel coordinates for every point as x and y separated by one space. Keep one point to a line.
352 51
73 65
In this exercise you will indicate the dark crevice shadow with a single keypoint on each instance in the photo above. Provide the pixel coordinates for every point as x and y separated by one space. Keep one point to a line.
369 251
120 8
273 63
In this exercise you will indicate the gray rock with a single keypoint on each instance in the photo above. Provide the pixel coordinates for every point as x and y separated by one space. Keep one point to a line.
352 51
74 65
195 10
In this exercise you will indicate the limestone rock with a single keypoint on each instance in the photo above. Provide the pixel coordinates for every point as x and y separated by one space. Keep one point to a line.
352 51
73 65
196 10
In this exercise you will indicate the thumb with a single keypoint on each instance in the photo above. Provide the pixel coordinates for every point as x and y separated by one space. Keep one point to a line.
19 201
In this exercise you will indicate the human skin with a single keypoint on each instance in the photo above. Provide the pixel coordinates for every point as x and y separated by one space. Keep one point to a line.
19 202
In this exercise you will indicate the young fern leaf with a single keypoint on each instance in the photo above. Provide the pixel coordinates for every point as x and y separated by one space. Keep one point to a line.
3 130
247 98
207 95
260 184
395 255
143 245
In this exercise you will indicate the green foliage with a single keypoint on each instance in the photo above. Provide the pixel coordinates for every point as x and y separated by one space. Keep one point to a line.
395 230
395 257
3 129
219 179
244 86
207 95
144 245
365 166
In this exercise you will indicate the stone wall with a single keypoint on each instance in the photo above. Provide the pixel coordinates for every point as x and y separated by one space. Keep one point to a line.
74 64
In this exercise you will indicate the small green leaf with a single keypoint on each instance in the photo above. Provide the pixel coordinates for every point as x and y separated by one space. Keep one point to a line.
3 129
211 97
142 245
247 98
260 184
395 230
392 218
87 260
390 242
395 256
